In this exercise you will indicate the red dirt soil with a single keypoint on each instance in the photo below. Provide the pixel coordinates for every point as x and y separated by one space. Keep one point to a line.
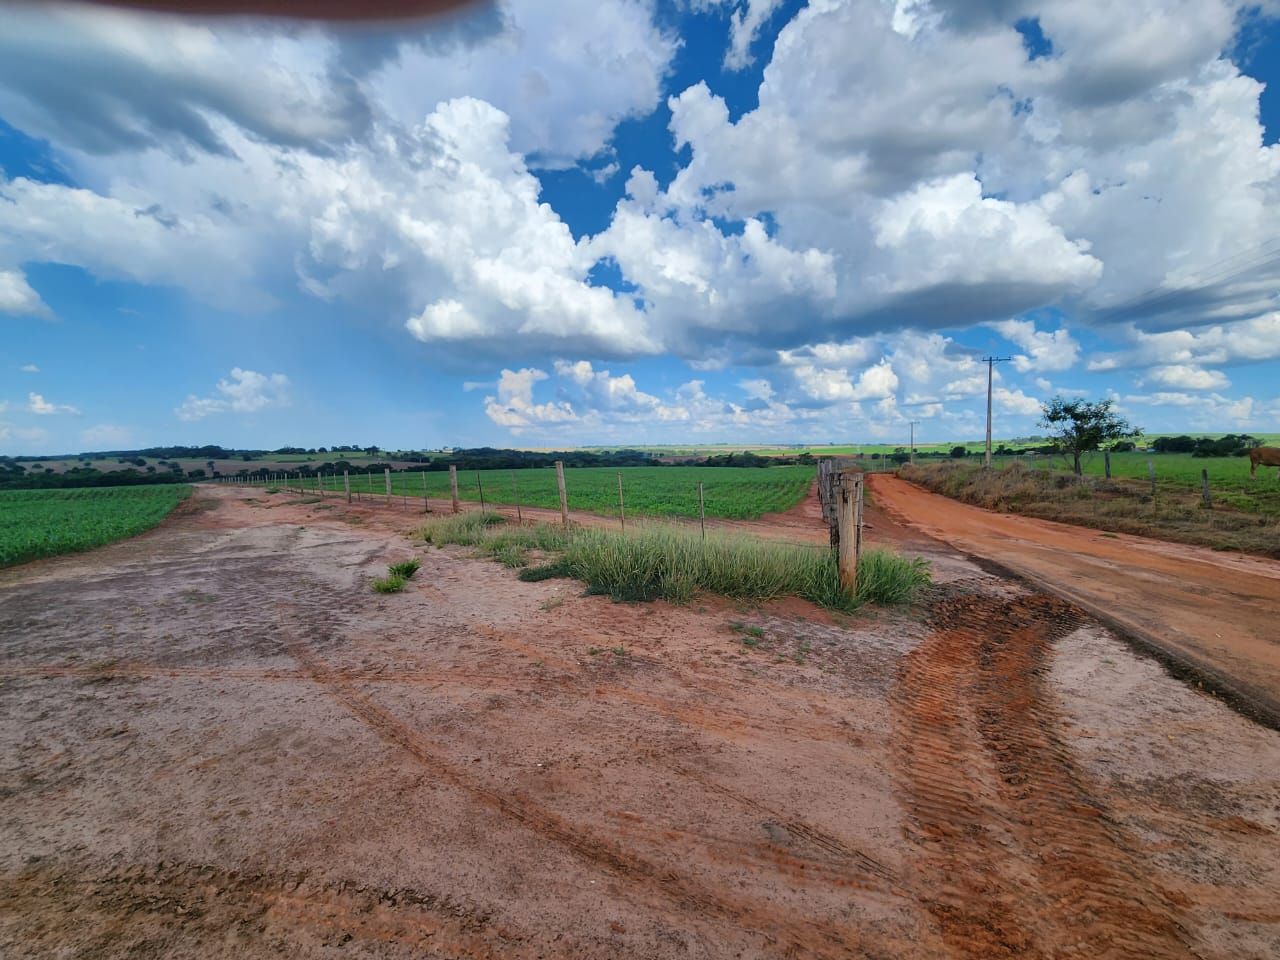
1217 613
219 742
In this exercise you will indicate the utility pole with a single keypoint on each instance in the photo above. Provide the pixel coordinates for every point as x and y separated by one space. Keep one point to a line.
991 363
912 424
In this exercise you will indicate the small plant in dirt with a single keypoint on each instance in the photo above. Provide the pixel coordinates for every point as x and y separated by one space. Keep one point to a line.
619 651
398 575
405 568
389 584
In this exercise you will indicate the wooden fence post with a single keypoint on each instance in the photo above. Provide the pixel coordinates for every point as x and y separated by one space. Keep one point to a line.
1151 472
386 476
453 485
622 509
426 494
702 512
564 496
346 484
1106 463
480 487
1204 489
515 493
857 515
847 491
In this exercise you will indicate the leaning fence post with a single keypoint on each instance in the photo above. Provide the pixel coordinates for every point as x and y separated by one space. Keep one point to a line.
515 493
346 484
386 476
1151 472
1204 489
426 494
702 512
480 487
622 510
564 497
453 485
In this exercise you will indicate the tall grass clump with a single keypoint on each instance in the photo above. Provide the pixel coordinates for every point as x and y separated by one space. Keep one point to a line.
405 568
660 561
674 564
467 529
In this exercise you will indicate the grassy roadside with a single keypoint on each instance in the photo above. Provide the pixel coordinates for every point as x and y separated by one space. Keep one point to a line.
1120 505
662 561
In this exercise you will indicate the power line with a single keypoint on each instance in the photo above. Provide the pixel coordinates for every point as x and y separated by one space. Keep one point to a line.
1216 273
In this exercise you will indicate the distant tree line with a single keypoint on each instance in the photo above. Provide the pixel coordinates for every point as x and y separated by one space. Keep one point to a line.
15 476
1231 445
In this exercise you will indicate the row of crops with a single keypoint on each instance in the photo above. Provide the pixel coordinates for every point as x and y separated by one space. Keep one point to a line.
734 493
41 523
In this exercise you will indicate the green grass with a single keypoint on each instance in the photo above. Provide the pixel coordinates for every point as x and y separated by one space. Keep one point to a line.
1229 480
736 493
405 568
42 523
391 583
653 560
467 529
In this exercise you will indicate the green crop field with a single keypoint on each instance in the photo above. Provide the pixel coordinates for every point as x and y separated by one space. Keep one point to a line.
736 493
41 523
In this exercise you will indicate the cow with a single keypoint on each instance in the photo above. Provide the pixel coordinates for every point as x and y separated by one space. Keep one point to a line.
1267 457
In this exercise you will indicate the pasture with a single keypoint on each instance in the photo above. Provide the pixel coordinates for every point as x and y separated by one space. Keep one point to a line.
42 523
731 493
1229 479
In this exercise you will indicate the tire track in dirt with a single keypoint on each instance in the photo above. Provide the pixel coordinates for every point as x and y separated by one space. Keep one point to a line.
193 898
814 938
1021 860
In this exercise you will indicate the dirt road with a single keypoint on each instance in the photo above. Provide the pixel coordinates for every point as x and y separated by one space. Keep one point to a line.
1216 613
219 742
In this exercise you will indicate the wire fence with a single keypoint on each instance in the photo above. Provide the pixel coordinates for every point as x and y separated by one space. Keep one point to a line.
738 493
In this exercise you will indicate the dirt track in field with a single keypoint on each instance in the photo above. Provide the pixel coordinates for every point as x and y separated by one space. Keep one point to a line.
218 742
1218 613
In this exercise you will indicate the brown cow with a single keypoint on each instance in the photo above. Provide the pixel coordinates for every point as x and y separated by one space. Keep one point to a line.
1267 457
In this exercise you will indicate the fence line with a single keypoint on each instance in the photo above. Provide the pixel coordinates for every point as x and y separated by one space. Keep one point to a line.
656 493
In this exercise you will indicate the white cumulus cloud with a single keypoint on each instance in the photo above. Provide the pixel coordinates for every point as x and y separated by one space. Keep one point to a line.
244 391
37 404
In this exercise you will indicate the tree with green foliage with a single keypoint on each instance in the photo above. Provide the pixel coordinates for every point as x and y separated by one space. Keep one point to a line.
1079 426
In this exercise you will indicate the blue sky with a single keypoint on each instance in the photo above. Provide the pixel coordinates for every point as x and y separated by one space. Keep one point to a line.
616 222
